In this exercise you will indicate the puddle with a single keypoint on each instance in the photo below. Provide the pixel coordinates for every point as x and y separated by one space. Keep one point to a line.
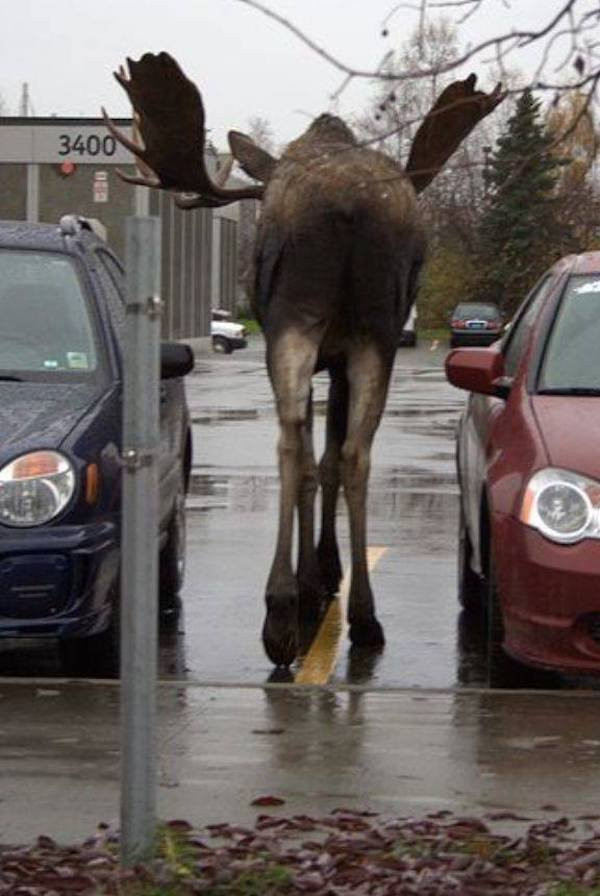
225 415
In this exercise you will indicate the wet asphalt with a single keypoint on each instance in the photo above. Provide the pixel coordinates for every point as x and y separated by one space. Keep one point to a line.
232 518
410 731
412 513
512 757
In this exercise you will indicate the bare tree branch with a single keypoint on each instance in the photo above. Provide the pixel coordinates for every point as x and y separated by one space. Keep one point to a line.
576 22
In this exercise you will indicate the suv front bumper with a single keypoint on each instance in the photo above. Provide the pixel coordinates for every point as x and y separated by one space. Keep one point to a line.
57 581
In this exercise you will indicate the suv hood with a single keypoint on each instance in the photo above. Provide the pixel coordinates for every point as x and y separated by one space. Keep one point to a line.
40 415
570 428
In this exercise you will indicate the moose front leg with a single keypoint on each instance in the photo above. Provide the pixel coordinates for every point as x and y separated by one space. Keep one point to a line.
291 359
368 378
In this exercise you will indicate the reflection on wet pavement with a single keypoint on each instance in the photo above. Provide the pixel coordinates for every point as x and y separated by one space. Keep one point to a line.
397 752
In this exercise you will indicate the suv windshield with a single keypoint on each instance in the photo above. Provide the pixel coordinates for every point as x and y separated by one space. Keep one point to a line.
571 358
45 326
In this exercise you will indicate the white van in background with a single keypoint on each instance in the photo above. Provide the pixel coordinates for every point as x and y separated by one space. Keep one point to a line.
226 334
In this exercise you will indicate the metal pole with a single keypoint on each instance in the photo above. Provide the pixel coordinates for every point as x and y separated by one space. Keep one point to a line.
139 551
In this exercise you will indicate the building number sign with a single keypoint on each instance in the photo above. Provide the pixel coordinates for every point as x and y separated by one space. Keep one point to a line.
87 145
66 141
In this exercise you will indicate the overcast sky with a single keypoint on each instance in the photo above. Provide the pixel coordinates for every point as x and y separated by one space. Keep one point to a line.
244 63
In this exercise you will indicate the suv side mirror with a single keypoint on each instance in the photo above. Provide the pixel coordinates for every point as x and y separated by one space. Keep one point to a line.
176 359
478 370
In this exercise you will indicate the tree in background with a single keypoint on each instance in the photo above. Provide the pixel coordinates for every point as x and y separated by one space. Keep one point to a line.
261 132
571 123
520 229
448 278
397 108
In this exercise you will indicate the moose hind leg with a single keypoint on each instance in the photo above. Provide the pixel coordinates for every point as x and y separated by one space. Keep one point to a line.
329 475
368 377
291 361
311 590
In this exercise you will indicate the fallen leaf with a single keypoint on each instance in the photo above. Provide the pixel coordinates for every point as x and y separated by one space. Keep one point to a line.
267 801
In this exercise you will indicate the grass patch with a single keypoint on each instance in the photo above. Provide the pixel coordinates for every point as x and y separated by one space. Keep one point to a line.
251 325
429 335
270 881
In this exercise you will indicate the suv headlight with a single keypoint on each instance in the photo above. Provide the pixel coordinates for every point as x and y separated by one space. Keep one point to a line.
563 506
35 487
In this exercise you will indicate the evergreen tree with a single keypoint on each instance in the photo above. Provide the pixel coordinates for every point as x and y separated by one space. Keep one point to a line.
520 228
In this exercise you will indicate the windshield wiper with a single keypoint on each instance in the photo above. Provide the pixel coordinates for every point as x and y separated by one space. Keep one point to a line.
5 378
571 390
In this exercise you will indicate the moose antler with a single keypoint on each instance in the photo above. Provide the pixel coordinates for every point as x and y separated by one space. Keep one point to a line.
169 116
454 115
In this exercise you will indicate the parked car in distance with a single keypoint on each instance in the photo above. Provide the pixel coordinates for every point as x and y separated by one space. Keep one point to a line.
227 335
475 323
62 313
529 474
408 337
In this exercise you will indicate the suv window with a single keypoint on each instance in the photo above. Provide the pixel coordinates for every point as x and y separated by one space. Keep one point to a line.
46 326
521 328
111 278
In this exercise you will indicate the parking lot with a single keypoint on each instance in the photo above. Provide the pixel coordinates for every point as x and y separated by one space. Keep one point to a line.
232 517
413 729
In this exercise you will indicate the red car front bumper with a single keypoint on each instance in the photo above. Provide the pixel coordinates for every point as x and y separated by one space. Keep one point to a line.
550 597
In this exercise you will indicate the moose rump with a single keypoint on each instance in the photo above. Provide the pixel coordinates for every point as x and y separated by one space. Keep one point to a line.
338 244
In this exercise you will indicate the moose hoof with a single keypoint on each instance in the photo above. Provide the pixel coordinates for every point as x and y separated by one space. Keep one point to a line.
280 633
367 634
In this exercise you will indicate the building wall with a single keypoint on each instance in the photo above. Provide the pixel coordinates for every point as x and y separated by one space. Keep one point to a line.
186 267
13 192
60 195
228 286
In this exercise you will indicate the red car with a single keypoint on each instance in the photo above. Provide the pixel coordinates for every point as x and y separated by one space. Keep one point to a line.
528 458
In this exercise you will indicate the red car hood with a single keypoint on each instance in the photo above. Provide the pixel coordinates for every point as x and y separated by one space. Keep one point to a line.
570 428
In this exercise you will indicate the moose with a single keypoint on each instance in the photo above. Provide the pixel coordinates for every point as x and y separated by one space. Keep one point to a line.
339 247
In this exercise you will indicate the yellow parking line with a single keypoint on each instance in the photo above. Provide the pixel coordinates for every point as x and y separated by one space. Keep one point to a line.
319 662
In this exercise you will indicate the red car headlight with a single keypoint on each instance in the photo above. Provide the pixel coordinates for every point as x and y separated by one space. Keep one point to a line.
563 506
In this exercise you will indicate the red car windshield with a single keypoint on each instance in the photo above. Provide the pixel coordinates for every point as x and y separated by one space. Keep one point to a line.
571 361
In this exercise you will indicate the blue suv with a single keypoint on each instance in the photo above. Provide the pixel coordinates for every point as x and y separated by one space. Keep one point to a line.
62 317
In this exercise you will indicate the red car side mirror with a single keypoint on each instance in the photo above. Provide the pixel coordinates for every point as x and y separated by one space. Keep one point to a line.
478 370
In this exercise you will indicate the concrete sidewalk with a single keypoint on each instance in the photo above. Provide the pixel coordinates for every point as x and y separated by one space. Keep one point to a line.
398 752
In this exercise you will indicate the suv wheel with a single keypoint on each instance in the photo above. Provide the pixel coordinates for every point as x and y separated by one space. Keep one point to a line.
172 558
221 345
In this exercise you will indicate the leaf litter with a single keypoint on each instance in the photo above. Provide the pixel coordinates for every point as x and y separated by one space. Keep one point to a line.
345 853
